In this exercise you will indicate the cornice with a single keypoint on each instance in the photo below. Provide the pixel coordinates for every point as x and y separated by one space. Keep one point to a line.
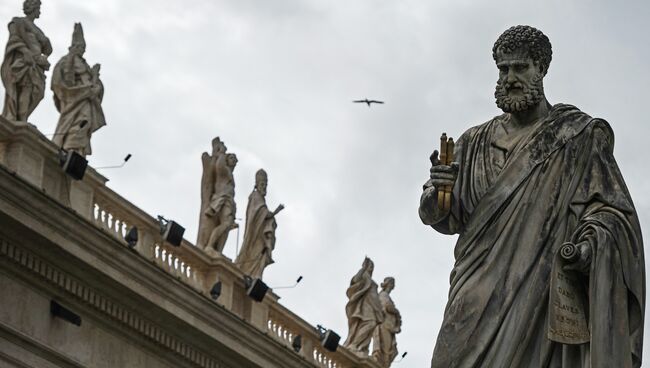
78 246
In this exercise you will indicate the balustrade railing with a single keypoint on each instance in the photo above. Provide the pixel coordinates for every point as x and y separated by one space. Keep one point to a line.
28 153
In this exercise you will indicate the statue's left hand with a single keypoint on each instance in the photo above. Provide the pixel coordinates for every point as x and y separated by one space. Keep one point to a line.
583 263
95 89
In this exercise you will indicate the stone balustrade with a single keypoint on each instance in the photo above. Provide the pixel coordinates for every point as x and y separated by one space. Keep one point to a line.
29 154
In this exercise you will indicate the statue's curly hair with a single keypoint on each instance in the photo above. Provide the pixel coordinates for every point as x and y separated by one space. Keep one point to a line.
529 38
29 6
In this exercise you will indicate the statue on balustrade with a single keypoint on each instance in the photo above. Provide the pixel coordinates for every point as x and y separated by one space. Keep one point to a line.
549 269
383 341
78 94
218 207
24 65
364 310
259 234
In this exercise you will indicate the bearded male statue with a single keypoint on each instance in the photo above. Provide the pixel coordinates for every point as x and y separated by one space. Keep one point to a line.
218 207
525 184
24 65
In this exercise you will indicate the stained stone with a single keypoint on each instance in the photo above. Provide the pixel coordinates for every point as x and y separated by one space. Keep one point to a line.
526 183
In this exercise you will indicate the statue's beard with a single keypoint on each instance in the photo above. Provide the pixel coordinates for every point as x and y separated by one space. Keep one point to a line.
531 96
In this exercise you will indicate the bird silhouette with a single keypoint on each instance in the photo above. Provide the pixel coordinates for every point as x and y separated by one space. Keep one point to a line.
367 101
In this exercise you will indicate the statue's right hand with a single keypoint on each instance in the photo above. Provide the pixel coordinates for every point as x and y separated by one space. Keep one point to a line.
442 175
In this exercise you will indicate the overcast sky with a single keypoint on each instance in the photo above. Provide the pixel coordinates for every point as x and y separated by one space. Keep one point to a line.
275 80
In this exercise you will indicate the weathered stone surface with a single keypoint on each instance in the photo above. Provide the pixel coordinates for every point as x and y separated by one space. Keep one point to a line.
218 207
24 65
259 234
78 94
364 310
524 183
384 342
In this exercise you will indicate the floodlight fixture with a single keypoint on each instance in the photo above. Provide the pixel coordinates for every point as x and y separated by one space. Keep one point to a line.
215 292
328 338
131 237
296 344
171 231
73 164
255 288
126 159
57 310
401 358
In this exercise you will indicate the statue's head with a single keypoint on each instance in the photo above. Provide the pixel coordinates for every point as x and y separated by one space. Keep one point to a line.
368 265
523 55
388 284
218 146
78 45
32 8
261 181
231 160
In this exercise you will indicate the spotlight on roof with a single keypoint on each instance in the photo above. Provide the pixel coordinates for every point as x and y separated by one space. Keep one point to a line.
296 344
73 164
57 310
131 237
255 288
328 338
401 358
215 292
126 159
171 231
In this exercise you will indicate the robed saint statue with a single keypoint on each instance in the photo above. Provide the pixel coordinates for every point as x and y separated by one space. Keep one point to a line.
524 186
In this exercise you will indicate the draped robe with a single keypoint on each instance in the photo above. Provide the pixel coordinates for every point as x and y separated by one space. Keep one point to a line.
259 237
513 207
364 311
77 103
383 340
22 80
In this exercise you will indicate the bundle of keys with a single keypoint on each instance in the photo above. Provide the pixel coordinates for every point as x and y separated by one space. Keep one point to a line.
446 158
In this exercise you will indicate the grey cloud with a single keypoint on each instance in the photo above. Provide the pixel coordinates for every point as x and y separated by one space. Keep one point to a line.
275 81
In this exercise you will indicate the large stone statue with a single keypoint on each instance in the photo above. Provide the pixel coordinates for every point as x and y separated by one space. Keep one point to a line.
383 341
531 182
364 310
78 94
259 234
25 63
218 208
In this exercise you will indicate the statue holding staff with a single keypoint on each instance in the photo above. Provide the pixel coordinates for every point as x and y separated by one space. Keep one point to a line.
364 310
259 234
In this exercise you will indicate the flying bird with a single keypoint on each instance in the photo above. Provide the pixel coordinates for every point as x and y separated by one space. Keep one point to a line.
367 101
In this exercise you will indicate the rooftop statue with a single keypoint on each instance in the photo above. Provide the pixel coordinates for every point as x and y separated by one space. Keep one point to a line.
218 207
25 63
259 234
78 94
383 341
364 310
531 182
